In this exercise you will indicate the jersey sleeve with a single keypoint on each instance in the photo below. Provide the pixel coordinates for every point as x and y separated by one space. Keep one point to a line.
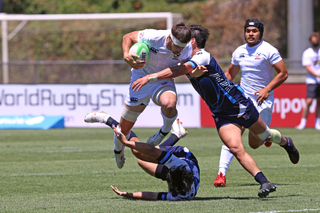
150 35
275 56
234 60
306 59
200 58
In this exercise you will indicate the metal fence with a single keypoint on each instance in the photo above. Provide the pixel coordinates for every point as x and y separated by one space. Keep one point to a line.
96 71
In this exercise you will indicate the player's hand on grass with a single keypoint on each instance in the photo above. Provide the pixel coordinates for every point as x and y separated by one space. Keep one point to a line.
139 83
116 190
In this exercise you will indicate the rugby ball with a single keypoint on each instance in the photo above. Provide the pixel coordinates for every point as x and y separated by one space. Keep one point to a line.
140 49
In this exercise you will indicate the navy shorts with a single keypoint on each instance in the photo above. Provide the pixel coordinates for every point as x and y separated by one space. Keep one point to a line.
244 113
313 90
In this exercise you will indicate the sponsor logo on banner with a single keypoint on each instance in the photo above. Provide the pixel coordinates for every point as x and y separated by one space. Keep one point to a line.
287 109
75 101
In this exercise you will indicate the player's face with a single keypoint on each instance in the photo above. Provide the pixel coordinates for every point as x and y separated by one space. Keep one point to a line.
174 48
252 36
314 42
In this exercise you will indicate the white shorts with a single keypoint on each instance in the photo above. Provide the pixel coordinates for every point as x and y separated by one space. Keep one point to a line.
151 90
265 110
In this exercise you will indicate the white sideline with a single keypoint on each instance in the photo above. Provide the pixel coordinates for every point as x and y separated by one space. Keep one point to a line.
302 210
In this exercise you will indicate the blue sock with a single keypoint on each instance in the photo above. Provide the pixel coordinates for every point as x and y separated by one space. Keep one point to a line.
260 178
111 122
288 145
171 141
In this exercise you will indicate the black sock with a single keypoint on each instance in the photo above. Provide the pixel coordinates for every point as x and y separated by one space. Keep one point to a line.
260 178
164 133
171 141
288 145
111 122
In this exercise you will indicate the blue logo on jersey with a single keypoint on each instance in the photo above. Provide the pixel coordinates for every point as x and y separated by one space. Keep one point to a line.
164 83
133 99
242 55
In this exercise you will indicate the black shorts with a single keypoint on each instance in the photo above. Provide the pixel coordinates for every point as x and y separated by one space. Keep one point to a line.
313 90
244 113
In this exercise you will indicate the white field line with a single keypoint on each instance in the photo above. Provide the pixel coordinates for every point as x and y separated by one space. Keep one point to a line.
302 210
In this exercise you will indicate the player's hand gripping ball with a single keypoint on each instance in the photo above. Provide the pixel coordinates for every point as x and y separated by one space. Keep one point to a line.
140 49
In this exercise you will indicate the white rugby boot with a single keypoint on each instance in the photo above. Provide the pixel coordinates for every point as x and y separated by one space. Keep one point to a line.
178 130
120 159
96 117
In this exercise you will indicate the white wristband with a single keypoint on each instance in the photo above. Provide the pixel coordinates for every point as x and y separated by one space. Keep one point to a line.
153 77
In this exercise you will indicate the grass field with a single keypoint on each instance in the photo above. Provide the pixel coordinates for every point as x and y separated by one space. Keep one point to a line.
71 170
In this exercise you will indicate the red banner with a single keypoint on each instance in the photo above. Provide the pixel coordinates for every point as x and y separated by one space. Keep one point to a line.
287 110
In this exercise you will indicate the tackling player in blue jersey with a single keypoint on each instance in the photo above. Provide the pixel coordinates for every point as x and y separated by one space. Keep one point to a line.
230 108
174 164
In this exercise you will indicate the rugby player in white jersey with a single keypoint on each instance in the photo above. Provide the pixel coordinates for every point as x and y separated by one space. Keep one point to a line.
311 61
257 59
167 48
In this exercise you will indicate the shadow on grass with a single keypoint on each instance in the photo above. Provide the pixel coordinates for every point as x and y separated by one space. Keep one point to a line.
243 198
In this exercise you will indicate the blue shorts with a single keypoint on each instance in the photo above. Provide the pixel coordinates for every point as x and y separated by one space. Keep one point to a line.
243 113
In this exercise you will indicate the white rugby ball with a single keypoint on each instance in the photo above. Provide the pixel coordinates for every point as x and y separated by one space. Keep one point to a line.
140 49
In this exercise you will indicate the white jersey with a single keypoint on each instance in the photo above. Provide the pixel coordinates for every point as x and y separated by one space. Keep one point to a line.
256 65
160 57
312 57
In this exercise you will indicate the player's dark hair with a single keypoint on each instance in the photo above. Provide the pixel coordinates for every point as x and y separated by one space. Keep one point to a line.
201 35
179 180
314 34
182 32
254 22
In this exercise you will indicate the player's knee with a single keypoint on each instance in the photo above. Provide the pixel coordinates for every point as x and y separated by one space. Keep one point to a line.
254 146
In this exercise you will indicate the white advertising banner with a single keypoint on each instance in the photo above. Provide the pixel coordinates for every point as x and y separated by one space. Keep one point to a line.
75 101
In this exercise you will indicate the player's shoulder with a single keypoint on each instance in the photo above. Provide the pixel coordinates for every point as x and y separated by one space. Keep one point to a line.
153 33
308 51
201 57
202 52
266 45
241 48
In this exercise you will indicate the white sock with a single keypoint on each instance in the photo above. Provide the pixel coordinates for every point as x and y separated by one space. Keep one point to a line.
167 123
117 143
303 122
317 124
225 159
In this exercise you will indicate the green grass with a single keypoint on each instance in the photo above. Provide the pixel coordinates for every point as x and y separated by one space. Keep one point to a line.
71 170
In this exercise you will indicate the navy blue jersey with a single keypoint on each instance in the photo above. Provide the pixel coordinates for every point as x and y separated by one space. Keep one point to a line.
213 86
177 156
225 99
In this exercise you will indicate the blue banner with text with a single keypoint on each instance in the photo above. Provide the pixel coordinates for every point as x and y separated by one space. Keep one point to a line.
31 122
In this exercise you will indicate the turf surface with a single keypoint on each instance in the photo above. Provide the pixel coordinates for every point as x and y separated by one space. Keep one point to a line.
71 170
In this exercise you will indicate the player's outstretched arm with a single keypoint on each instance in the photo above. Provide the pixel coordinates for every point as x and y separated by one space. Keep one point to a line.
167 73
137 195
